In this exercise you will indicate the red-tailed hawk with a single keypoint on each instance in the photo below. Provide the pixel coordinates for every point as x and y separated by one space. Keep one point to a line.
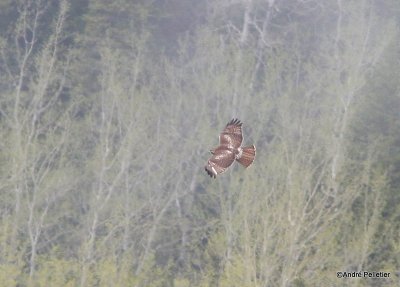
229 150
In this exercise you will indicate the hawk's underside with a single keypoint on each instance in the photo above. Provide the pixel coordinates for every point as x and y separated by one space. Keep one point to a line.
229 150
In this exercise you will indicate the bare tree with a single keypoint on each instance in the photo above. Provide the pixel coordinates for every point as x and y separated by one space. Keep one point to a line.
37 123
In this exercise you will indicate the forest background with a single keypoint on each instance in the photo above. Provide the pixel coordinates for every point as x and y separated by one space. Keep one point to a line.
108 110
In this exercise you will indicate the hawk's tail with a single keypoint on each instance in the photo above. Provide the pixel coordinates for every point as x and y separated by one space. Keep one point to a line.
248 155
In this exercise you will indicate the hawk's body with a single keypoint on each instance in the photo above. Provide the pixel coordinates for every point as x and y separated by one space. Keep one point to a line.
229 150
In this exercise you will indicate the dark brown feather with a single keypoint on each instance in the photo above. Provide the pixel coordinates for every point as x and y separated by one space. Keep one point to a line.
220 161
229 149
232 134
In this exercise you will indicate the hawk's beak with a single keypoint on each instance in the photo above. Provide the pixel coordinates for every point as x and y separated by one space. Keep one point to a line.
211 151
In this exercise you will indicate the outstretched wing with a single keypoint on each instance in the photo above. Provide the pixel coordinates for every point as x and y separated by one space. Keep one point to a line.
232 134
220 161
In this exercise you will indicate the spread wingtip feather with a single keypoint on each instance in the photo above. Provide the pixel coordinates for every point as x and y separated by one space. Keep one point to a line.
234 121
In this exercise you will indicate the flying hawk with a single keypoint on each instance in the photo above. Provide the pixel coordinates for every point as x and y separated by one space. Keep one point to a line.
229 150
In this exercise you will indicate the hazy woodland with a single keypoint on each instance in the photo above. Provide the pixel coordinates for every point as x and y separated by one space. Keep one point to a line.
108 109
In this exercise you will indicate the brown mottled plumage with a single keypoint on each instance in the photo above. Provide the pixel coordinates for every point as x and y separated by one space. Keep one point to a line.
229 150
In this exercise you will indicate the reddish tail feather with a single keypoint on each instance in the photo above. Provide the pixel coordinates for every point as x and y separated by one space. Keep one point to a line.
248 155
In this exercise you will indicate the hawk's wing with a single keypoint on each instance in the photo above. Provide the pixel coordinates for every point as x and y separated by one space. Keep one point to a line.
232 134
220 161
